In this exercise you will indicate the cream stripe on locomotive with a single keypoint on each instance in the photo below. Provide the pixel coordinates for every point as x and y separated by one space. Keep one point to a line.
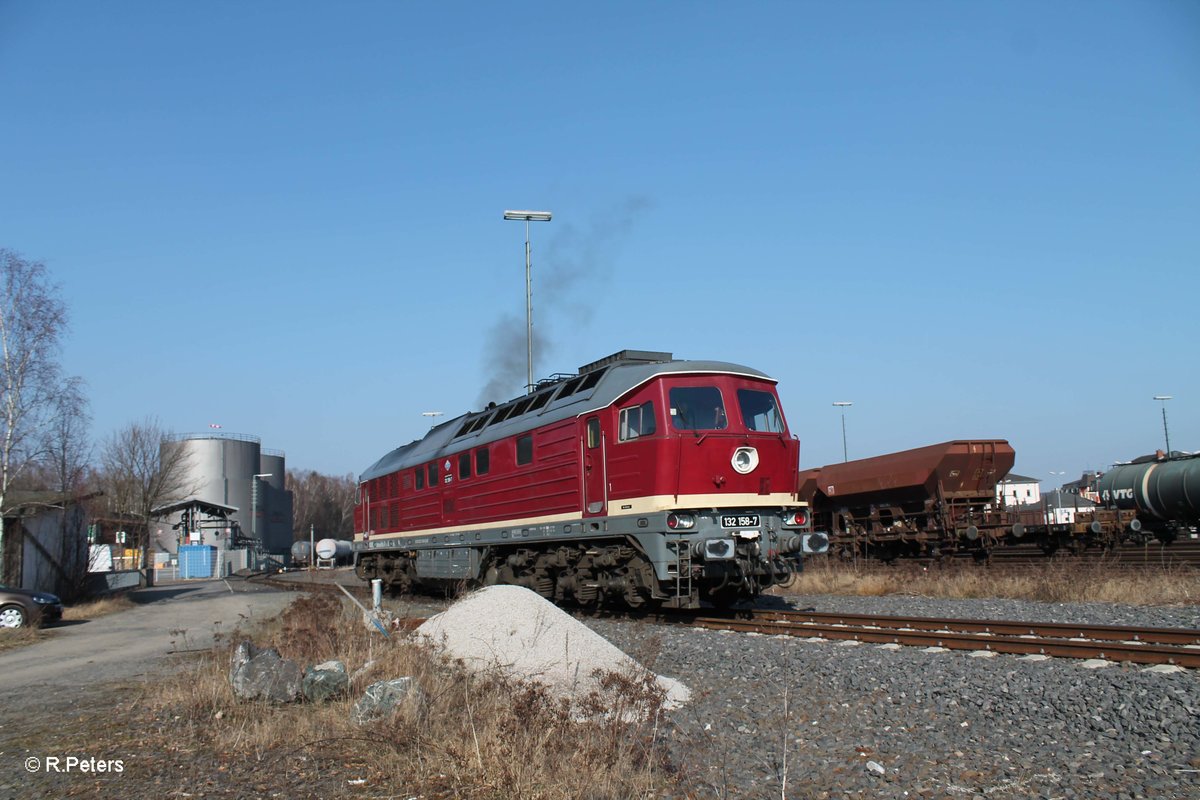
687 502
503 523
627 507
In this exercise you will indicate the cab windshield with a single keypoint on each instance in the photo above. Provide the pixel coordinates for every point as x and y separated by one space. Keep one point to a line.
697 408
760 412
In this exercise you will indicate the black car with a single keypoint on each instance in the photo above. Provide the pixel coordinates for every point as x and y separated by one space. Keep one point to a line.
20 607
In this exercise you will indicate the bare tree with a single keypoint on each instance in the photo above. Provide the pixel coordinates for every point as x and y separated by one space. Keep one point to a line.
68 455
324 503
67 449
32 320
141 472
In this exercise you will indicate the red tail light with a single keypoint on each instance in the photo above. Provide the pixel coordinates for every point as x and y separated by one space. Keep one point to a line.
797 518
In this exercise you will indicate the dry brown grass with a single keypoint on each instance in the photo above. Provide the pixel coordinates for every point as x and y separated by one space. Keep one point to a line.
98 608
475 736
11 638
1056 581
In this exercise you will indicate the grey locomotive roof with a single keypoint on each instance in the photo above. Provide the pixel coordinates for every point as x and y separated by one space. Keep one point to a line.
615 382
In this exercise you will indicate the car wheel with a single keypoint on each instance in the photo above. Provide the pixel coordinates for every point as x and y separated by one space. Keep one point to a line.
12 617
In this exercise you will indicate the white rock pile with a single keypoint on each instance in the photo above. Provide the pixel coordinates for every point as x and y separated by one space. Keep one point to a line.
515 630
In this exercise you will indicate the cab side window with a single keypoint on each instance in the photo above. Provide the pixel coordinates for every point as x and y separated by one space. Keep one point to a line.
636 422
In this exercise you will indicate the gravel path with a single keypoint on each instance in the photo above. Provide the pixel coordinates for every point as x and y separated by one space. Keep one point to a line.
881 721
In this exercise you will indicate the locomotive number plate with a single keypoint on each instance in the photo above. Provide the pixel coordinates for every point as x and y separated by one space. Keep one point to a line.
739 520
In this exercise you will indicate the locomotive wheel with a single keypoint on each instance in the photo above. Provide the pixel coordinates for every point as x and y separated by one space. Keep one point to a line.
364 570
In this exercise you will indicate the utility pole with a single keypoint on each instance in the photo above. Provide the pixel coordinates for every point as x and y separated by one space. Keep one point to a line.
1163 398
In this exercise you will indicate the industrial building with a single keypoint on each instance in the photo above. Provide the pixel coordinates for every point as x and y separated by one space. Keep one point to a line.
234 497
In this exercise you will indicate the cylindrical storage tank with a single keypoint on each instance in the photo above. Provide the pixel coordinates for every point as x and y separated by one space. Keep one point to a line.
271 462
241 465
333 549
275 525
1165 490
301 552
210 469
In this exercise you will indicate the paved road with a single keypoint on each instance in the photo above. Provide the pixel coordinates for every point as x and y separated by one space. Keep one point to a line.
131 643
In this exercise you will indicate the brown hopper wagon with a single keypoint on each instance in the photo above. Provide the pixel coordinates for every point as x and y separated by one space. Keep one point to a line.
929 501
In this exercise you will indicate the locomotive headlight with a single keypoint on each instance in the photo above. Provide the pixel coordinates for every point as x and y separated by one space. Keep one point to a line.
744 460
815 543
680 521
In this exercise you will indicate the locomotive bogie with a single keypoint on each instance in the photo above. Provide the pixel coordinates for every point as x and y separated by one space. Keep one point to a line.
631 560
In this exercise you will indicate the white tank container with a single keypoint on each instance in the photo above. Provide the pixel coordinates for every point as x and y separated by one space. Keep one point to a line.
333 549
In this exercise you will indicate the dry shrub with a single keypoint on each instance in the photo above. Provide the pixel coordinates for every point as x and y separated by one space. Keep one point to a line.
314 625
474 735
98 608
1055 581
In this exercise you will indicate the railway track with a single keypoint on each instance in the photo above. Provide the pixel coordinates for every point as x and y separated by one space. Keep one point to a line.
1178 646
1178 555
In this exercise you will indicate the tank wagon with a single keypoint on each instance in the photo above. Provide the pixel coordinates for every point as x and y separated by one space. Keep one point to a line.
301 553
929 501
641 480
1163 493
333 550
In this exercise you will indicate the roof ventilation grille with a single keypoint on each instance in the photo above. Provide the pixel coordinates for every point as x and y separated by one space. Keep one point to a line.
627 357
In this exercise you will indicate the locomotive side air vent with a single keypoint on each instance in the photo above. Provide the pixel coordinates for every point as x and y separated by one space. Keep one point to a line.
627 357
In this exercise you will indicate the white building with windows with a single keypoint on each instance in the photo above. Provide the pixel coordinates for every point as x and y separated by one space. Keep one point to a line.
1018 490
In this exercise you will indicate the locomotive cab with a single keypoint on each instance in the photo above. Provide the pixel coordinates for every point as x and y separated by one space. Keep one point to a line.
709 464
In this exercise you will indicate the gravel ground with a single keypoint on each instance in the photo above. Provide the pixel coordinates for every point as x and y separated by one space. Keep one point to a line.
877 721
769 717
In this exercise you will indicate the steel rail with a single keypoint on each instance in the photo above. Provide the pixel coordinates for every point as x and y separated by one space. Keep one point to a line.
1021 645
1107 633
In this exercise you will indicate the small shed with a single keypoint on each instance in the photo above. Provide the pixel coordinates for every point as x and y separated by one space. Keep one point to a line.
45 547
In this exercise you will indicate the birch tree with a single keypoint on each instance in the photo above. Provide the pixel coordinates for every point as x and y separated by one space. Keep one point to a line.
32 321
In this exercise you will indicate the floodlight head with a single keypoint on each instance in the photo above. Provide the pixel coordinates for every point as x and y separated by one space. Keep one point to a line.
528 216
843 403
1162 397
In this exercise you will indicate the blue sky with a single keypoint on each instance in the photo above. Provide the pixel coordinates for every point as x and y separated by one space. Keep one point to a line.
973 220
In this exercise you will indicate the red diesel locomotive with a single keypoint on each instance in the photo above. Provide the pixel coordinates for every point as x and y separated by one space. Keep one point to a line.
641 480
